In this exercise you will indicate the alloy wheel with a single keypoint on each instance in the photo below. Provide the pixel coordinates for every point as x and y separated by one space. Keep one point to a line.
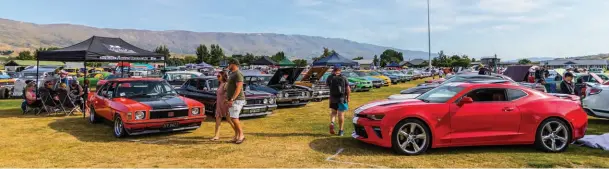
118 127
412 138
554 136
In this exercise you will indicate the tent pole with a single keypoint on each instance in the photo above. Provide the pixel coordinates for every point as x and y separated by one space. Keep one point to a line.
122 67
86 94
37 67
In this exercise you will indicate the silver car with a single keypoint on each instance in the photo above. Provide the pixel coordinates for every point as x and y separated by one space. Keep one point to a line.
595 98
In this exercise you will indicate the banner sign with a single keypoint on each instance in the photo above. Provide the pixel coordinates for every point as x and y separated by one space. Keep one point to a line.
126 58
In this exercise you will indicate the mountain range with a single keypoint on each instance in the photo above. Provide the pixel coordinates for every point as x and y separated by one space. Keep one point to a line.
23 35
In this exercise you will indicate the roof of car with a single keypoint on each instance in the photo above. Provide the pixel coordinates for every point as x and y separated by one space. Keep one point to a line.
135 79
206 77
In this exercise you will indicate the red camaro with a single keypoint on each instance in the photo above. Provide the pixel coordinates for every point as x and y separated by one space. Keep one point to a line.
144 105
472 114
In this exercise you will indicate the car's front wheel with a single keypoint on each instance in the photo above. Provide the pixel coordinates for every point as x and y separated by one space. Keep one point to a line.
553 135
412 137
119 128
92 116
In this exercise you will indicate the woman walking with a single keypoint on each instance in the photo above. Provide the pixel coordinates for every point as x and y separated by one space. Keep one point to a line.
221 106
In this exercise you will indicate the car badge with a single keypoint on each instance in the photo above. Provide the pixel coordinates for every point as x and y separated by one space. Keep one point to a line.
170 114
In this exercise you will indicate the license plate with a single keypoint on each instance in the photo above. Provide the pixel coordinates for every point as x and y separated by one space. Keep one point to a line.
171 125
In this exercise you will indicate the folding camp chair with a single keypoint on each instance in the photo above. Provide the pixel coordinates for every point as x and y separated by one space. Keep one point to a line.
67 102
49 104
32 109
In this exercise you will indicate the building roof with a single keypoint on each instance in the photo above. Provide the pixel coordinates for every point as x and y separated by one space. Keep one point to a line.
561 62
416 61
364 61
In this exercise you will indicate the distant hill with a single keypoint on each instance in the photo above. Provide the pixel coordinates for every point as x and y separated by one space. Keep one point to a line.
23 35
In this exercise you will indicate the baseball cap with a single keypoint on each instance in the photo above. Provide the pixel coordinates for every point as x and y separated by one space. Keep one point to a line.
233 61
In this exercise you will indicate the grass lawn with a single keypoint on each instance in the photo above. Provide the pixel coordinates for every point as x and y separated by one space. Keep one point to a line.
291 137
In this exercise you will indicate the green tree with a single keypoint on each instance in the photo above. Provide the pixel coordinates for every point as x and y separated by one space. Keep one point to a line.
524 61
202 54
300 62
473 59
42 49
190 59
390 55
164 51
326 52
358 58
278 56
216 55
25 55
375 60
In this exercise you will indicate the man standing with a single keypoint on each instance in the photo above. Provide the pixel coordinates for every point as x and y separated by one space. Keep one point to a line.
339 97
566 86
236 99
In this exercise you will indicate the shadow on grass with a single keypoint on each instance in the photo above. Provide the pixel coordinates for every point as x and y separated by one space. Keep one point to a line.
354 147
17 113
102 132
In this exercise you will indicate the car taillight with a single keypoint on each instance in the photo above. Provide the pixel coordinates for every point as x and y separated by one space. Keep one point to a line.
594 91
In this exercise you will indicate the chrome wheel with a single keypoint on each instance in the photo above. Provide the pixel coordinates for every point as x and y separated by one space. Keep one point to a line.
411 138
554 136
118 127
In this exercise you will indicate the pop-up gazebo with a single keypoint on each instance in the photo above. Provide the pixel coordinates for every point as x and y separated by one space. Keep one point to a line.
286 62
264 61
334 59
99 49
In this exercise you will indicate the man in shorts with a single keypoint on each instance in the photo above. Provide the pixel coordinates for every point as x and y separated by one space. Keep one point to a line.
236 98
339 94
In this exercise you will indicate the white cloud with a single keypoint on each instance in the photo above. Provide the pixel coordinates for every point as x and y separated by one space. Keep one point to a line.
308 3
505 27
510 6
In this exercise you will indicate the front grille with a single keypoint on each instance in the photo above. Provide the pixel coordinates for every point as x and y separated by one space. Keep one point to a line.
321 86
255 101
165 114
295 93
360 131
7 83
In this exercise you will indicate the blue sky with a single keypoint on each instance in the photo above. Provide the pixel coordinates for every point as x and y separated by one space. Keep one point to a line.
510 28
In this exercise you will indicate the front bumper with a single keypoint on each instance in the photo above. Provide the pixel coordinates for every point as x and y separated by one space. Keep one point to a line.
377 85
321 94
371 132
293 101
156 126
253 111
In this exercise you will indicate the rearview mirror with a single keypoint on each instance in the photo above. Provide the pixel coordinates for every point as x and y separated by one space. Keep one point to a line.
465 100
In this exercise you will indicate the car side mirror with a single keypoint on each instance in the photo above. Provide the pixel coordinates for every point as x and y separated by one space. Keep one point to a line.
465 100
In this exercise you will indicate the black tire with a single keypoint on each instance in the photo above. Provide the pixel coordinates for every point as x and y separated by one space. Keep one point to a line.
118 128
422 144
93 117
544 138
2 92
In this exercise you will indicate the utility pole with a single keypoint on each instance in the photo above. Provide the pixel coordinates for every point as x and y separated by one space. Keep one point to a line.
428 37
495 63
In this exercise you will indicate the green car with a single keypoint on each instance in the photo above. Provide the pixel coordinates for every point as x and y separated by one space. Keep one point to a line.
356 83
94 78
361 84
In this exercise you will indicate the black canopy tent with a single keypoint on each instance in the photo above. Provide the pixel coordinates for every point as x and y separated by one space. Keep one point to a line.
265 60
98 49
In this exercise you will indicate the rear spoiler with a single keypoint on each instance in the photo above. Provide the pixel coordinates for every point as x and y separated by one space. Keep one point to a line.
566 96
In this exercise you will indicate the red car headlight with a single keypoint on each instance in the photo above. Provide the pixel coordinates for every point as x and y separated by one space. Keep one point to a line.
139 115
376 117
195 111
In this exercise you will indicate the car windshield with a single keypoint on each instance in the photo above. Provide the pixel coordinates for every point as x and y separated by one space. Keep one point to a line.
177 76
92 75
362 73
349 74
440 94
144 89
374 74
259 80
213 84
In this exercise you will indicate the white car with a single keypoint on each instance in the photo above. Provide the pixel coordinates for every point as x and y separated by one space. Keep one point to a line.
595 99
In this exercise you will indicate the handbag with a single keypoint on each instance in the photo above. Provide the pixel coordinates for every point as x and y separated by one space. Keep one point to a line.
343 106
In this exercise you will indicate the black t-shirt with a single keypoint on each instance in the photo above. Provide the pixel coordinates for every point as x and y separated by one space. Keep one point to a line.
338 87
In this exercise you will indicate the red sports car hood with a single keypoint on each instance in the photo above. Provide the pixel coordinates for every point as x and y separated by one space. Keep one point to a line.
154 103
388 102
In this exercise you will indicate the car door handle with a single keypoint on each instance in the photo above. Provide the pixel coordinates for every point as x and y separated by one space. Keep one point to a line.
508 109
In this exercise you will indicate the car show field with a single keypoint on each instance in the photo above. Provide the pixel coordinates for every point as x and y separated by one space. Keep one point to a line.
290 137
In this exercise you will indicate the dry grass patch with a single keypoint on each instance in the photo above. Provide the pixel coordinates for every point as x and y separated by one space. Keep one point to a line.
291 137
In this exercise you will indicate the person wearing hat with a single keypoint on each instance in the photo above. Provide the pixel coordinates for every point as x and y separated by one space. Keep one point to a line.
235 98
339 98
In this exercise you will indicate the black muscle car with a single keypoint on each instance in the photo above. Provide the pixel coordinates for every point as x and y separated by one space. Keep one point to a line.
281 84
204 88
